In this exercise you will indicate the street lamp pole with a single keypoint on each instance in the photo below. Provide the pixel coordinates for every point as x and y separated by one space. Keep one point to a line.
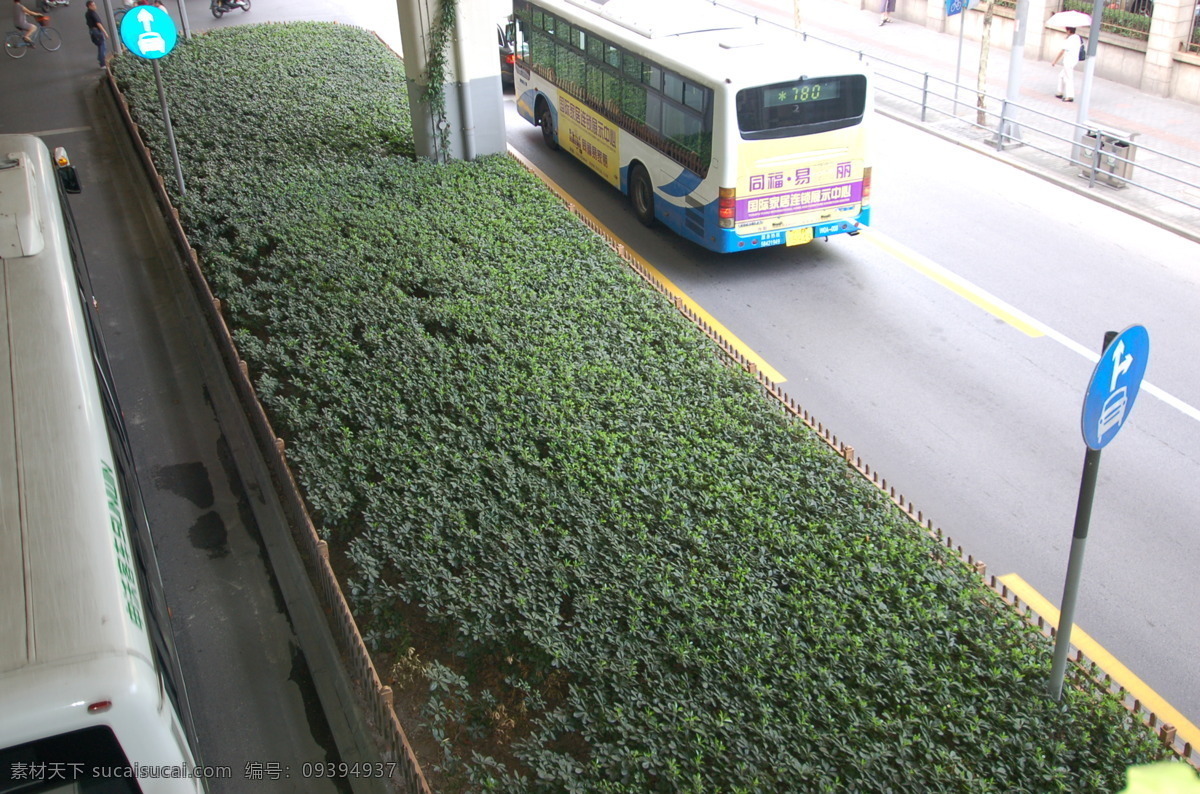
1089 69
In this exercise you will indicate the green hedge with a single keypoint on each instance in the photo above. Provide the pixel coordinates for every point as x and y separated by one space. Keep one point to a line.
621 568
1115 20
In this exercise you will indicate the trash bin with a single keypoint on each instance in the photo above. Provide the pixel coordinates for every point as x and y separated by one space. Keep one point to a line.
1111 153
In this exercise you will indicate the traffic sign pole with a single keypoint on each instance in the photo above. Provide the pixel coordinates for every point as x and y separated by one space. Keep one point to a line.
1066 615
162 95
149 32
1111 392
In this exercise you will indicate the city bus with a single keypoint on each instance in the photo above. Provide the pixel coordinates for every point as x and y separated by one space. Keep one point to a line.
733 135
91 697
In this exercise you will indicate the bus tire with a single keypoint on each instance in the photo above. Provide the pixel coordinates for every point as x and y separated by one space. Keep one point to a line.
546 122
641 194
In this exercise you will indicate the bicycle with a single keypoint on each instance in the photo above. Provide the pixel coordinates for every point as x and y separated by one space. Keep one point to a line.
48 37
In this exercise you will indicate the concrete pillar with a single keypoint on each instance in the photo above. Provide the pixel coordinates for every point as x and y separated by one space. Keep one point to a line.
471 121
1035 31
1170 25
936 19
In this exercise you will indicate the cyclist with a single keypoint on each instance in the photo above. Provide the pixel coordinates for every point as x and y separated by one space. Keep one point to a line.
21 24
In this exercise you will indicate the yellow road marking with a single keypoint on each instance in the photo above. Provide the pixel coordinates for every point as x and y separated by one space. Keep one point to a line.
1094 651
747 352
1017 319
958 285
1009 314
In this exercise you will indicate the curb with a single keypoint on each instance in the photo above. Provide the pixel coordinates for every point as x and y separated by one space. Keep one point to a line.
1101 683
357 706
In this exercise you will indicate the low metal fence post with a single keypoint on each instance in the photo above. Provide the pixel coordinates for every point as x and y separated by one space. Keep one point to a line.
1095 160
924 95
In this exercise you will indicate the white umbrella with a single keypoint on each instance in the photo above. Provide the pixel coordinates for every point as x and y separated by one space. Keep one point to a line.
1070 19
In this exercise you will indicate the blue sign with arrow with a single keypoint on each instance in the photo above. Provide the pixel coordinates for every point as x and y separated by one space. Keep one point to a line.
1115 383
148 32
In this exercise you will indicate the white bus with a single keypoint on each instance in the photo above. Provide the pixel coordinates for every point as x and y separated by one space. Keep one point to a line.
90 694
732 135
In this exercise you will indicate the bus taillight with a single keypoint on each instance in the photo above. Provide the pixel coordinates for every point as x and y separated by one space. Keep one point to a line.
726 202
866 190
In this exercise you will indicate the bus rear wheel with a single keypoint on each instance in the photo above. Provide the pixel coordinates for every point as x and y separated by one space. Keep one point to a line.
546 122
641 195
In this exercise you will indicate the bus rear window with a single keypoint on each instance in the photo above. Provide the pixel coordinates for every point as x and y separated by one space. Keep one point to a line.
88 760
801 107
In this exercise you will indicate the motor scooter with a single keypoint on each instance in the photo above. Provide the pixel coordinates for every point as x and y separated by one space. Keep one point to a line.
219 7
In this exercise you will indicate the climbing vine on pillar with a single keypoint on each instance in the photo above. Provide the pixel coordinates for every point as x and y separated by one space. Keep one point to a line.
435 74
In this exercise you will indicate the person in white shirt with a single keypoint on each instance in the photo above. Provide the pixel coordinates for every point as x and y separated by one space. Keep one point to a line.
1069 55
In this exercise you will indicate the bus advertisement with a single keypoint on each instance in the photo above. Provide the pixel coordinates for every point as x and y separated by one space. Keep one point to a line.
734 136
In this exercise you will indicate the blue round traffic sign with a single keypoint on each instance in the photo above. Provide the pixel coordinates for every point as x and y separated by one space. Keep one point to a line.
1115 383
148 31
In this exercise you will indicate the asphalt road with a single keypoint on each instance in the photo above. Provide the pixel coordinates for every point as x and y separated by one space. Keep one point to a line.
951 346
975 420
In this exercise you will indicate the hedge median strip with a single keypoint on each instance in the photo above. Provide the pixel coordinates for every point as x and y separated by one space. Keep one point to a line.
621 568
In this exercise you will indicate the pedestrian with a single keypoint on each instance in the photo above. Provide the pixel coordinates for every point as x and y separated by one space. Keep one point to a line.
1068 53
885 10
97 32
21 23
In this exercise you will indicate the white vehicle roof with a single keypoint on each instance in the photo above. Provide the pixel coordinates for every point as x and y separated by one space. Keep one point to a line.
67 592
712 40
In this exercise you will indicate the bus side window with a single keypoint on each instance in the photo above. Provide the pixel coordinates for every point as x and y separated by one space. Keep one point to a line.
613 90
541 49
612 56
652 76
569 68
633 99
684 128
633 67
673 87
654 111
595 82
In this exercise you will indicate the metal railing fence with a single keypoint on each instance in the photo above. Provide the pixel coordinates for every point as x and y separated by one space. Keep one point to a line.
1101 158
1003 125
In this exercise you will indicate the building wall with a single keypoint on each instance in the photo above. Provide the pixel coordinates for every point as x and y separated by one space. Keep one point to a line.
1158 66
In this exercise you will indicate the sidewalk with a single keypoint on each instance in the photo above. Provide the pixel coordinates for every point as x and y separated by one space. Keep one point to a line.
1166 125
